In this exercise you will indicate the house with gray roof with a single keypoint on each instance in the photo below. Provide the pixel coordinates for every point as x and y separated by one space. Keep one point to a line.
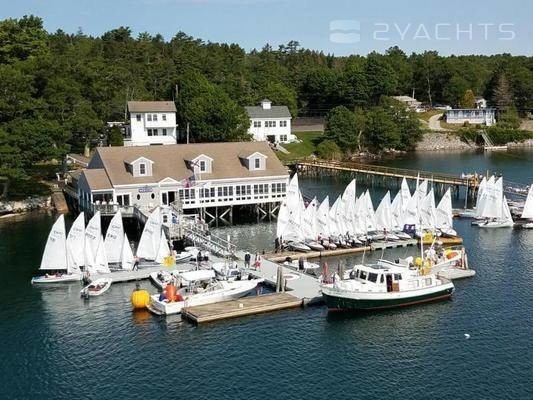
270 123
198 176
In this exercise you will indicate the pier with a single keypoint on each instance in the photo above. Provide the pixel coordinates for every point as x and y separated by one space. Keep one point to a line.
315 167
241 307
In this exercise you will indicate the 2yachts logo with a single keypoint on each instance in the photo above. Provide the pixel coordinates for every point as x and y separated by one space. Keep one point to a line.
349 31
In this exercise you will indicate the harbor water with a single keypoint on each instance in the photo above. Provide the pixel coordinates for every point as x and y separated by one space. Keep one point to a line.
56 345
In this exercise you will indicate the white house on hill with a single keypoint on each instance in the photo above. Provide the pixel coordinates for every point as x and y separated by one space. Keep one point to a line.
270 123
151 123
474 116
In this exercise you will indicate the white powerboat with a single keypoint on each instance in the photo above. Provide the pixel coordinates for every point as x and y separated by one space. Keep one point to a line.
225 271
96 287
380 286
215 292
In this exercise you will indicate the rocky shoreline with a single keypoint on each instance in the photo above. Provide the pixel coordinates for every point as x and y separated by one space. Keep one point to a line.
438 141
9 208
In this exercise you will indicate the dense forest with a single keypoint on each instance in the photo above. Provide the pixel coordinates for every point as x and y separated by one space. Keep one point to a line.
57 90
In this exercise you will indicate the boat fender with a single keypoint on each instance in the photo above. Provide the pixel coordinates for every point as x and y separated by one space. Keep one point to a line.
178 297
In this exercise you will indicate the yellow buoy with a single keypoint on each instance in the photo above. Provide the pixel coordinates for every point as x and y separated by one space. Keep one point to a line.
418 261
169 261
140 298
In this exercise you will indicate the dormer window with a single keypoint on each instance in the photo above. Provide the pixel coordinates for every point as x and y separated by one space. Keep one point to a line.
203 166
142 169
257 163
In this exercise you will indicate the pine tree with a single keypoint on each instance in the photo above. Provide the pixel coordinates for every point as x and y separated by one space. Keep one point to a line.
502 95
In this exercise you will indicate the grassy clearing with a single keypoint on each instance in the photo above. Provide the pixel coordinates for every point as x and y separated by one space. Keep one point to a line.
307 146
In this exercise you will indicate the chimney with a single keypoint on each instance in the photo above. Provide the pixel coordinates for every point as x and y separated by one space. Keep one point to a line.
266 104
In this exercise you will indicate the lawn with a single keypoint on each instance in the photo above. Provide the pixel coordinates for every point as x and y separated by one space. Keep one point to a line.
426 115
307 146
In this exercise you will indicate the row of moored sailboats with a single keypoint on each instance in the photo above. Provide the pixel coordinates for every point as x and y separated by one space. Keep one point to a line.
352 220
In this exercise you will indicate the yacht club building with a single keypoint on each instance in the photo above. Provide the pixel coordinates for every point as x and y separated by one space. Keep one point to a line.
270 123
197 176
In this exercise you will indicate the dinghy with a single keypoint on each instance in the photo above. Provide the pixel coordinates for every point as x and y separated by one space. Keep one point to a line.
96 287
54 261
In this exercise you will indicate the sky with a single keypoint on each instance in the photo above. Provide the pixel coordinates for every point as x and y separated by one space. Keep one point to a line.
334 26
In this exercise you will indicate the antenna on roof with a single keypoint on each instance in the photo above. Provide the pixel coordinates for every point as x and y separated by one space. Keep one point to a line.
187 133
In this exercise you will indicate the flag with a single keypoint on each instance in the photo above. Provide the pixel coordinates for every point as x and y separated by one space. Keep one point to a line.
188 182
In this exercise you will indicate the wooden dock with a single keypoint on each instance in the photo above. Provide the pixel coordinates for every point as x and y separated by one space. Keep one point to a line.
391 172
239 308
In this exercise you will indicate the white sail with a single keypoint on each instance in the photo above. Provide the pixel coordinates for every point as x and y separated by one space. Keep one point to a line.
93 234
506 213
397 211
333 225
527 212
55 251
444 213
113 239
283 218
485 196
127 260
492 199
384 214
322 217
422 189
99 265
309 222
427 211
76 245
149 242
370 217
405 194
348 203
163 249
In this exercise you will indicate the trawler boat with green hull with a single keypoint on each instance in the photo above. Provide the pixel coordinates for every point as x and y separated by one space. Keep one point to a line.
381 286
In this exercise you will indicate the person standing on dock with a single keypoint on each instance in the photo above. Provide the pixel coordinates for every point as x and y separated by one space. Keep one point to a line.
301 263
247 257
257 262
276 245
198 259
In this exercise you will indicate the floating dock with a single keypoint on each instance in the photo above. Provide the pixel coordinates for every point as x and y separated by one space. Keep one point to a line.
241 307
140 274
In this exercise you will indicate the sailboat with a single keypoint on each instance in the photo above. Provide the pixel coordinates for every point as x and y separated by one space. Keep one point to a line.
323 223
98 264
494 209
76 245
527 212
54 257
127 261
114 240
444 215
505 220
151 236
309 226
384 218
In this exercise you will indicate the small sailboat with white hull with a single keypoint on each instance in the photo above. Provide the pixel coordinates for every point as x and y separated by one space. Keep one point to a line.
55 262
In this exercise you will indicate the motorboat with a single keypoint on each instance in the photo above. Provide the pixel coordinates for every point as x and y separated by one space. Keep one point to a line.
96 287
380 286
161 278
227 271
217 291
308 267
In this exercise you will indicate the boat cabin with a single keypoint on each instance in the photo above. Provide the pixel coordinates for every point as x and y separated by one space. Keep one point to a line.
385 278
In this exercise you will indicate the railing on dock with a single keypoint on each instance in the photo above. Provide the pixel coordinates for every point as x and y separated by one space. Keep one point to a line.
213 243
380 170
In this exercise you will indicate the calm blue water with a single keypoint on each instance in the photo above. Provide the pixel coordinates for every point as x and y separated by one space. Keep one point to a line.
58 346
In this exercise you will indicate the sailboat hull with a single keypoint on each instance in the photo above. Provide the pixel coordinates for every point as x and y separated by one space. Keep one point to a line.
63 278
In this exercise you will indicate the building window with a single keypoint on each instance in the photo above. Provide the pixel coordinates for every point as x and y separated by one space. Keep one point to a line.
164 131
282 138
138 116
202 166
279 187
154 131
142 169
149 117
154 117
270 124
257 163
257 124
149 132
164 116
152 196
282 124
138 197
